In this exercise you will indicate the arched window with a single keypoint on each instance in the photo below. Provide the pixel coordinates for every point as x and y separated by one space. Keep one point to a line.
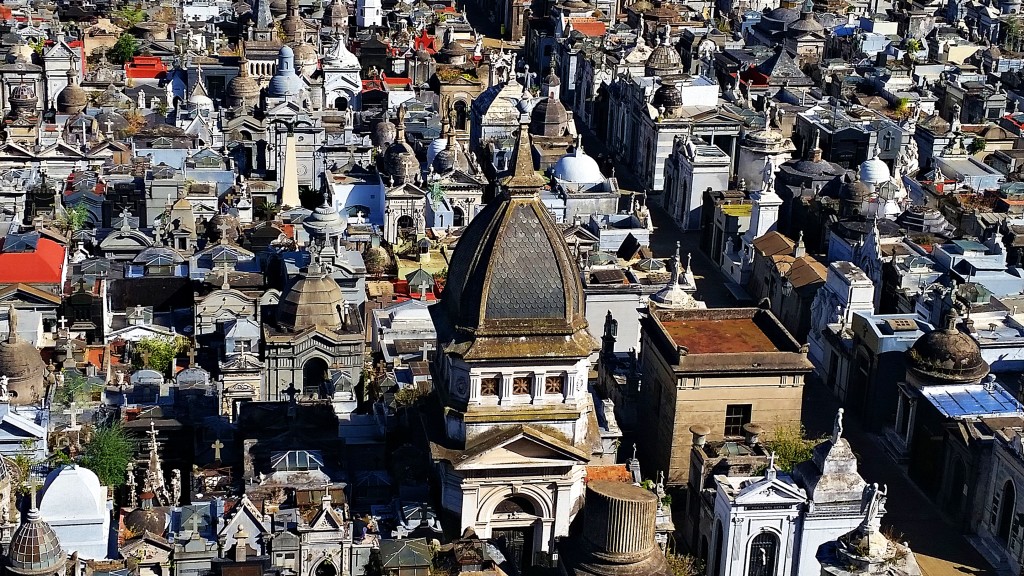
1007 504
341 103
764 555
461 115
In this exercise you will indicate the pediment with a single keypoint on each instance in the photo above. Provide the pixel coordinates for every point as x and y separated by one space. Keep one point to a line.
771 492
327 519
12 149
523 450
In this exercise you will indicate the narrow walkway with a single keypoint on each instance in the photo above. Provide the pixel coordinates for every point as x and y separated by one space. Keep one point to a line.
940 548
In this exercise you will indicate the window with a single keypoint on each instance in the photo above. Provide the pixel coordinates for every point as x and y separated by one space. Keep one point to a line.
764 552
736 415
521 384
489 386
554 384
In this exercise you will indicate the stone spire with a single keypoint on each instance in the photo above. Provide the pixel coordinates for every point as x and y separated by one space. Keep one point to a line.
290 178
264 19
155 473
524 180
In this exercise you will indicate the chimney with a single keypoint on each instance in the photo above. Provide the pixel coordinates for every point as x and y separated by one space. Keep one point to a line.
700 435
752 432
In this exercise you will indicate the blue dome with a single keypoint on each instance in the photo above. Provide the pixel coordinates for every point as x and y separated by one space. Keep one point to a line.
285 81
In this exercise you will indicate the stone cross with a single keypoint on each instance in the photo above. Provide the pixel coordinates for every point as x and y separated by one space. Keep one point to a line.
73 412
225 284
224 227
423 289
63 323
217 445
110 126
771 461
191 357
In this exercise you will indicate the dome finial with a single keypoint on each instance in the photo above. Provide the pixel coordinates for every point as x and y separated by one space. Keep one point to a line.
949 320
12 324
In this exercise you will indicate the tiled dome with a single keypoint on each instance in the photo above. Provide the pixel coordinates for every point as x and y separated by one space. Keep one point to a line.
336 14
242 89
548 118
663 61
312 300
34 549
72 99
142 520
512 275
23 366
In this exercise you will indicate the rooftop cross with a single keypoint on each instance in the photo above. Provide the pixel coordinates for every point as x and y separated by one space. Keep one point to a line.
73 412
217 445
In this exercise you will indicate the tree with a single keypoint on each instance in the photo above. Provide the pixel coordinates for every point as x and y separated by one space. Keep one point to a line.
75 389
136 122
376 261
71 219
790 445
913 46
157 352
124 49
107 454
684 565
977 145
131 15
1013 33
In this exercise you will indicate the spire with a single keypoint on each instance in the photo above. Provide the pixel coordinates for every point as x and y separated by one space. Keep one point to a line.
264 19
524 180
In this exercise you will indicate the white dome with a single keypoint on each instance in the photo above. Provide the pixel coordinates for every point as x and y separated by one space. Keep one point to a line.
874 171
72 492
578 168
436 145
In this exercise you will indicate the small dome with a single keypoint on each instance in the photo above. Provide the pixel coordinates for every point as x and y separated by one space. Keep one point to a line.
242 88
142 520
278 7
313 300
401 163
548 118
336 15
305 52
854 190
874 171
384 133
783 14
23 96
324 222
454 48
444 161
947 356
34 549
641 6
577 167
667 95
24 368
285 82
72 99
199 99
807 23
663 61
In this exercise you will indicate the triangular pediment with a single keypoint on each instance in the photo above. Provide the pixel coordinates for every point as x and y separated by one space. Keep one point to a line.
327 519
12 149
523 449
770 491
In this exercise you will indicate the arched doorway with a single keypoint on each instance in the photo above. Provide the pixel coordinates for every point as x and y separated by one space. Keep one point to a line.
314 378
516 543
764 555
716 564
325 568
405 222
341 103
458 216
1007 504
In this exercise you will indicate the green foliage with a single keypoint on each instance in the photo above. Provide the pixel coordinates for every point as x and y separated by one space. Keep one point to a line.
131 15
72 218
75 389
441 274
267 211
157 352
376 261
790 445
408 396
107 454
977 145
124 50
38 46
684 565
913 46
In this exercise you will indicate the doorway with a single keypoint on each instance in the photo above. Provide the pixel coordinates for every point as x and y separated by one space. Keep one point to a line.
314 378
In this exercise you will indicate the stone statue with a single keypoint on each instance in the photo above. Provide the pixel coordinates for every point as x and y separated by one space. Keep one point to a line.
872 505
837 427
175 487
768 175
954 125
4 391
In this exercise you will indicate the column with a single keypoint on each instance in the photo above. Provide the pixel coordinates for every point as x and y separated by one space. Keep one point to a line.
505 389
474 389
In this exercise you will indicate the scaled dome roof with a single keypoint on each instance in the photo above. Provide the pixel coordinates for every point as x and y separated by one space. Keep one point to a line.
548 118
313 300
34 549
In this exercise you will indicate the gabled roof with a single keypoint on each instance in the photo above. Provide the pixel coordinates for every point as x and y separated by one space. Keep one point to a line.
27 293
510 443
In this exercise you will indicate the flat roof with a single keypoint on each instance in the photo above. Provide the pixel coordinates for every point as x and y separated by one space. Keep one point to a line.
727 335
963 401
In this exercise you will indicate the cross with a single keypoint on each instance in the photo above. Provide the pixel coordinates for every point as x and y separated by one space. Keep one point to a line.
224 268
110 126
191 357
63 322
224 227
73 412
217 445
423 289
771 461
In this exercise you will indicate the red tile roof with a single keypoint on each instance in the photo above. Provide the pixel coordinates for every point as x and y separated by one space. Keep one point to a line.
145 67
44 266
588 27
615 473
